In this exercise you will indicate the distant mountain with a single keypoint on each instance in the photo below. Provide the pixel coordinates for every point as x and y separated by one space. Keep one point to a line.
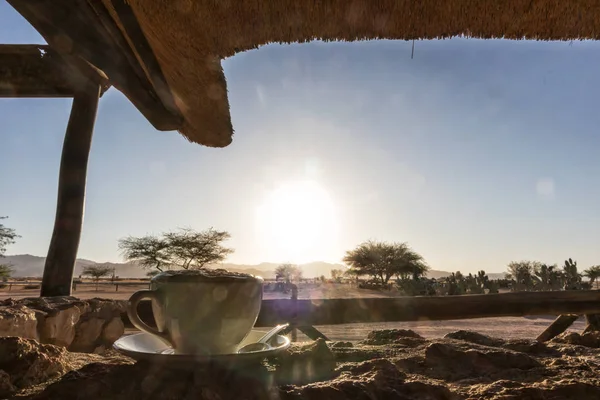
26 265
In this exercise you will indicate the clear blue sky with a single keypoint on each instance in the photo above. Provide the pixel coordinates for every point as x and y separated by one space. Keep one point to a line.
475 152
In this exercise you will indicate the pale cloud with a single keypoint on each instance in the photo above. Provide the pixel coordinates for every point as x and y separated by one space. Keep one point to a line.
261 95
545 188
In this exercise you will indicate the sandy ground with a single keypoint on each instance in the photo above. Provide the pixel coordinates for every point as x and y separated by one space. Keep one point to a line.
505 327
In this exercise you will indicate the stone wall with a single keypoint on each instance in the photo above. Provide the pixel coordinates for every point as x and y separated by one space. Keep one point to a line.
77 325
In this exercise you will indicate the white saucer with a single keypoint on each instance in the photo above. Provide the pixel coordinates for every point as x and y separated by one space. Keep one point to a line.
146 347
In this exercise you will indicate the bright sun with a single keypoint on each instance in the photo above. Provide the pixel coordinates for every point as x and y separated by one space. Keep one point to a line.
297 223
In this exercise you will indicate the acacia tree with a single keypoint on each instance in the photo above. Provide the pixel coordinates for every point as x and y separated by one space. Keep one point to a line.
189 249
6 272
522 274
337 275
382 261
152 273
149 252
7 237
96 272
288 272
181 249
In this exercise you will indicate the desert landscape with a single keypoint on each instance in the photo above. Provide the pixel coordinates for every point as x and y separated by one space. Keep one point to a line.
506 327
478 152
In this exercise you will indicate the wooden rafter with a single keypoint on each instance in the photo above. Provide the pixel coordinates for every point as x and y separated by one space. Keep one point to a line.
76 28
38 71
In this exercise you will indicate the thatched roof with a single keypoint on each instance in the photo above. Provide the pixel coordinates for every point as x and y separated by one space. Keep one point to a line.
190 37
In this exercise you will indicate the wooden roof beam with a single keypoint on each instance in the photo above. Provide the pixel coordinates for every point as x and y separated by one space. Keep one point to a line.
82 28
38 71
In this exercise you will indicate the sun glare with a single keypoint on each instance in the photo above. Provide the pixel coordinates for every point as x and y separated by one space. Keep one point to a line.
297 223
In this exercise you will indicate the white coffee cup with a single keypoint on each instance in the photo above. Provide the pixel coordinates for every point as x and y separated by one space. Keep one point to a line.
200 312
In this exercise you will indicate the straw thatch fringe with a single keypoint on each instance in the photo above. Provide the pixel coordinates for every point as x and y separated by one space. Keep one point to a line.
185 33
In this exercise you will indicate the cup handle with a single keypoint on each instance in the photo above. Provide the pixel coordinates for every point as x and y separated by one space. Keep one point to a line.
134 318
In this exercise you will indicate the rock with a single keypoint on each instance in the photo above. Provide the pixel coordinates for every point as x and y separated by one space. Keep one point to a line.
413 364
447 369
590 339
18 321
6 386
158 382
527 346
360 352
99 326
112 331
307 363
518 345
87 335
59 329
427 391
27 362
567 389
79 325
56 317
373 379
453 363
555 390
389 336
341 345
474 337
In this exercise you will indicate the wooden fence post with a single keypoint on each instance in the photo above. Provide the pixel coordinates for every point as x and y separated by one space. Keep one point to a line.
60 261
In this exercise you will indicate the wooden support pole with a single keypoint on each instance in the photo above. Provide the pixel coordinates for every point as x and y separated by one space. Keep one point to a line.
560 324
60 261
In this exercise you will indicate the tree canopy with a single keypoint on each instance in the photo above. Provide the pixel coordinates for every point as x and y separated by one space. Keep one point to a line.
288 272
181 249
7 237
96 272
6 272
593 274
382 261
